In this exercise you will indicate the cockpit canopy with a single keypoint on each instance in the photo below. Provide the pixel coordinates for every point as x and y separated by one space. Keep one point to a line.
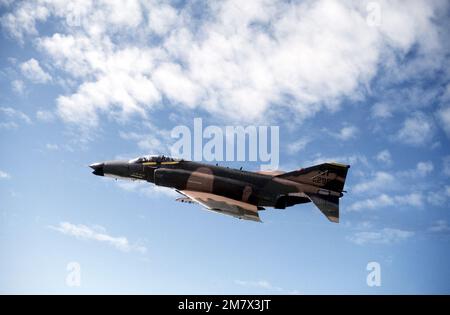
153 158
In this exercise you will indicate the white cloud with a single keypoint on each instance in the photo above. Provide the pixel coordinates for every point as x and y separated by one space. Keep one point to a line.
444 118
151 141
380 180
346 133
8 125
418 129
438 197
413 199
384 157
381 110
122 87
384 200
299 145
162 18
424 168
147 189
18 86
95 233
4 175
172 81
22 21
350 159
379 186
6 3
14 116
443 114
33 71
52 146
245 61
45 116
384 236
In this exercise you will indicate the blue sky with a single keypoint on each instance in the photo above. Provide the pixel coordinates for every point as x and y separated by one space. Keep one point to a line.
352 82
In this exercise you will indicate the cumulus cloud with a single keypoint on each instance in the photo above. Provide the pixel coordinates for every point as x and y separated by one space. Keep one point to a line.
244 61
384 157
385 200
381 110
14 113
45 116
8 125
418 129
436 198
162 18
18 86
172 81
346 133
96 233
443 113
439 197
23 20
11 118
444 119
33 71
122 87
378 189
298 145
151 140
379 180
350 159
384 236
4 175
146 189
424 168
51 146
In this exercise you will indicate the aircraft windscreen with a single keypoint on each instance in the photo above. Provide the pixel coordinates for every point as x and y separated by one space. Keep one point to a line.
153 158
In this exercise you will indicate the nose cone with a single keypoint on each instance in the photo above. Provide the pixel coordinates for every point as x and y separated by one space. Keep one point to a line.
98 169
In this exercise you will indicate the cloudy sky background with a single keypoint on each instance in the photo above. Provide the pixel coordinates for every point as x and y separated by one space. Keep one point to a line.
364 83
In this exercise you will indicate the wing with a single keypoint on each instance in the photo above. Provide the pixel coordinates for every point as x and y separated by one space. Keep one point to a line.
223 205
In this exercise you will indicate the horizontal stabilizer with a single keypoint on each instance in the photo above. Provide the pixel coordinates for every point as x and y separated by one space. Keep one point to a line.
329 205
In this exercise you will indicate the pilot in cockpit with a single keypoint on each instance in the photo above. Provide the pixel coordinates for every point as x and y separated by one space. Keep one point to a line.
152 158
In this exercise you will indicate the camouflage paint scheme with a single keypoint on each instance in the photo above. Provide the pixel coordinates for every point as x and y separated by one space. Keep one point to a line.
236 192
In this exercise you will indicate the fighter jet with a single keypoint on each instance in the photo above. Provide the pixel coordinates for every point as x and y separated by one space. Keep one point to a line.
241 194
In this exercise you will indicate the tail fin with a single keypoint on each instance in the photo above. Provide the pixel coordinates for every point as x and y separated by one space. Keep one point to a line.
330 176
330 179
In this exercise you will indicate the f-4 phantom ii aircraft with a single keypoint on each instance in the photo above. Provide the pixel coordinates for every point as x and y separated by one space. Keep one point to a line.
234 192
